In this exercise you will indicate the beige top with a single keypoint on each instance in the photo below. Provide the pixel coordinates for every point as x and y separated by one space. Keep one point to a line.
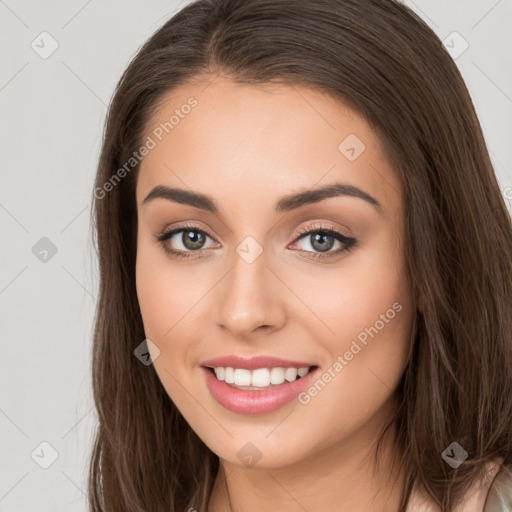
487 495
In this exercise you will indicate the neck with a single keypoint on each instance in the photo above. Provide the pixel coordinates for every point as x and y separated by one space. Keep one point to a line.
343 477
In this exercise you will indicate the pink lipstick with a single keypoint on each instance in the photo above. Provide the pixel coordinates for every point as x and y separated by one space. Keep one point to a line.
256 385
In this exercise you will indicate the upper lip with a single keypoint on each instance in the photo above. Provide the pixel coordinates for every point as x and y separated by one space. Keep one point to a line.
253 363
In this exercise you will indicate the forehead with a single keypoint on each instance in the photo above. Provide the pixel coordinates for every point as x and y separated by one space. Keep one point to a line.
213 135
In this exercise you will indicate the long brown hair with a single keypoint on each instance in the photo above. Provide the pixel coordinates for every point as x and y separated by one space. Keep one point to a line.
380 58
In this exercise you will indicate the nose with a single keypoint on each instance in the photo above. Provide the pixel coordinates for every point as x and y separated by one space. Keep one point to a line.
249 300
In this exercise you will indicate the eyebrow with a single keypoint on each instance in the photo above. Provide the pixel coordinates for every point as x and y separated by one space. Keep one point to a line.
285 204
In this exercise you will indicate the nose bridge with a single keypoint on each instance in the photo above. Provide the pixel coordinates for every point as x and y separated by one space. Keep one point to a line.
248 298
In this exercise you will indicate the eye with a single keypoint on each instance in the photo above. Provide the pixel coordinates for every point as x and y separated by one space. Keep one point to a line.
322 239
189 241
183 241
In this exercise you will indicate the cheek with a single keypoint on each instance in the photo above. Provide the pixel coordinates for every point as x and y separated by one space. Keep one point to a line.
167 296
164 300
168 293
378 319
159 291
364 288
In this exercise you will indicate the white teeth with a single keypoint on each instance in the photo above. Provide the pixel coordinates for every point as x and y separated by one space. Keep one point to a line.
220 372
260 378
242 377
290 374
303 371
276 375
229 376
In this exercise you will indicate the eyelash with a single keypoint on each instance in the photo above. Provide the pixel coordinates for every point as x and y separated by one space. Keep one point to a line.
348 242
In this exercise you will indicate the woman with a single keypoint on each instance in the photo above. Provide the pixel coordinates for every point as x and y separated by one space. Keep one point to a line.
299 226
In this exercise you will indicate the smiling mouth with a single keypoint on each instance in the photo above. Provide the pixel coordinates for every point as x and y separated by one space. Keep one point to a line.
259 379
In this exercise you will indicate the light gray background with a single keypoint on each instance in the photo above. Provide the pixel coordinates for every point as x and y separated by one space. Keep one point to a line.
52 113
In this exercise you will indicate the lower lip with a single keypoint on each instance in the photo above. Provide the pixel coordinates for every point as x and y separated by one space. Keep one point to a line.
246 401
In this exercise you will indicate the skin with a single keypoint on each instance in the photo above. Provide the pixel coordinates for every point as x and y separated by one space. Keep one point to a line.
248 146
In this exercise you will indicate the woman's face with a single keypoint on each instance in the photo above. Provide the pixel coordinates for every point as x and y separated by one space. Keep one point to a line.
241 169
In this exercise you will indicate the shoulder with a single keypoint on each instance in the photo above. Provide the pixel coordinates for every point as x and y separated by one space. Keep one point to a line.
499 498
491 493
476 497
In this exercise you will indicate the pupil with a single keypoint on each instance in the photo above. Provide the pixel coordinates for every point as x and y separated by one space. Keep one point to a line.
319 241
192 239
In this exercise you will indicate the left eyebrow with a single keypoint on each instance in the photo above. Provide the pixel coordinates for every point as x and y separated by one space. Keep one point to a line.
310 196
285 204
